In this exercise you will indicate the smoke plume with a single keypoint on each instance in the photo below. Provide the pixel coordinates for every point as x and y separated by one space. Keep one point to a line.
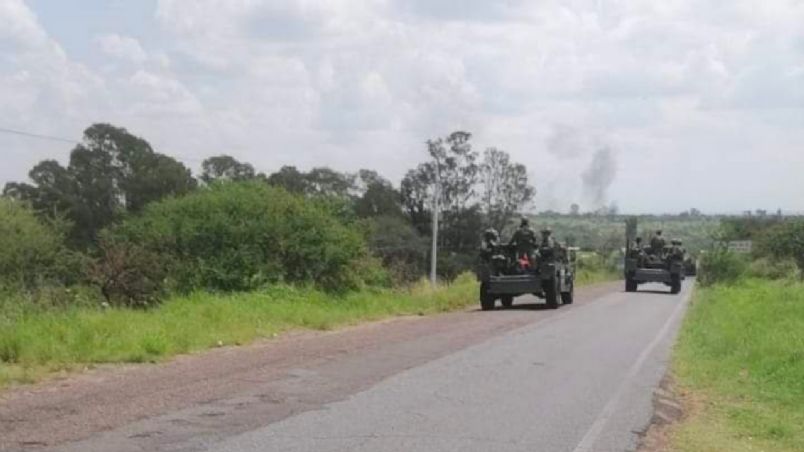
599 175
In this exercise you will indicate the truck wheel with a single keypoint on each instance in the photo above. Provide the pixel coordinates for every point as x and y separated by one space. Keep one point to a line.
551 293
568 297
486 299
630 285
675 284
507 301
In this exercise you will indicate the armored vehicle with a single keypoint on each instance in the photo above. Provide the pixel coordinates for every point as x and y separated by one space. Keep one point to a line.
664 264
506 272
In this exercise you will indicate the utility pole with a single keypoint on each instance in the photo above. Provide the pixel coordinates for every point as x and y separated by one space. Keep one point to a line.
434 251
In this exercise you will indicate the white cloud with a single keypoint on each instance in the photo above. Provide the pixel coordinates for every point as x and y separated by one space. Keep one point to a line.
352 83
122 47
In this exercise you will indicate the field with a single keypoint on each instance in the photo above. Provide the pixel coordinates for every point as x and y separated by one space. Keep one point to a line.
740 362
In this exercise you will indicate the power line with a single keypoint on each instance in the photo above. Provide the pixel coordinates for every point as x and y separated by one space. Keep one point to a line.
36 135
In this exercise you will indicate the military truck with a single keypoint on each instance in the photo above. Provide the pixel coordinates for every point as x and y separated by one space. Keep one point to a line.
649 264
548 274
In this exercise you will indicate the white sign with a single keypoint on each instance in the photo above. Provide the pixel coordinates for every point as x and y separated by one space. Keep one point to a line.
740 246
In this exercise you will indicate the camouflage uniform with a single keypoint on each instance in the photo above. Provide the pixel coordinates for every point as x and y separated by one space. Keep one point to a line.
524 239
657 243
676 251
490 243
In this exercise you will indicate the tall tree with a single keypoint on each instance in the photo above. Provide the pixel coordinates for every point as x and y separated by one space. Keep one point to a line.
225 167
291 179
505 187
111 171
325 181
377 197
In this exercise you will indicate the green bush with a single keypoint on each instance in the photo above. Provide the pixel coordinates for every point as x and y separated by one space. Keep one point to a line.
32 253
769 268
721 265
241 236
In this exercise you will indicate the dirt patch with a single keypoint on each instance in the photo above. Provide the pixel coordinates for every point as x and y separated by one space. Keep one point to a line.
668 410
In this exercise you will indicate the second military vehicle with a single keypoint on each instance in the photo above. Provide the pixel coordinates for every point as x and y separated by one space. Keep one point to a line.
657 262
507 271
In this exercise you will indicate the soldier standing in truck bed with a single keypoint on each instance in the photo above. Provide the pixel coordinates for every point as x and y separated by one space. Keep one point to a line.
524 240
490 243
657 243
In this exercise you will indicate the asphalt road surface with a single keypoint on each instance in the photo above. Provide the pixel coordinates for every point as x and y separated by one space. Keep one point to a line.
580 378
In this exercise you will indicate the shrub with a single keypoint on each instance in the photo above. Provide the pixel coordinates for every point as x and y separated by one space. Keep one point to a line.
769 268
783 241
402 250
241 236
721 265
32 252
128 274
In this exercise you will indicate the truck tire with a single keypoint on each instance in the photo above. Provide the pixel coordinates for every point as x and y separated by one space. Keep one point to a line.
486 299
551 293
675 284
569 296
630 285
507 301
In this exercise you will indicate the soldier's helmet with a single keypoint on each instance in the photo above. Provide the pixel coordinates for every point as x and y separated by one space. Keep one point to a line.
658 232
674 242
638 239
524 222
547 231
490 234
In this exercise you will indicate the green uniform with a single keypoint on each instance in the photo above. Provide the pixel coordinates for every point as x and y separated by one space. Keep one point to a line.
524 240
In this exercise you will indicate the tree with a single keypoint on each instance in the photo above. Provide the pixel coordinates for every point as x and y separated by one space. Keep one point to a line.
377 196
453 165
575 209
324 181
110 172
225 167
505 187
291 179
402 250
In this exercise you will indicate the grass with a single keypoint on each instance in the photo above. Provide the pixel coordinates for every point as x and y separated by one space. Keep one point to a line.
37 341
740 363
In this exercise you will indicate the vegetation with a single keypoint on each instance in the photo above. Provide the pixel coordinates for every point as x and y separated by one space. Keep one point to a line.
35 340
122 255
237 237
739 360
33 252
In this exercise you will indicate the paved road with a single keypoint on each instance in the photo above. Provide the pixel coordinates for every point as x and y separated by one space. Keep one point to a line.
581 381
577 379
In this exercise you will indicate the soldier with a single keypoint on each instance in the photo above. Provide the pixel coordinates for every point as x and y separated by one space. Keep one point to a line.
490 242
636 249
547 240
657 243
524 240
676 250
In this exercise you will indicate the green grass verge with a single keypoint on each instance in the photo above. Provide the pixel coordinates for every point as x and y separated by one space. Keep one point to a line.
37 342
740 363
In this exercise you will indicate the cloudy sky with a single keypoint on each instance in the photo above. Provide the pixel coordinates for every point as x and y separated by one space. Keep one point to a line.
654 105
